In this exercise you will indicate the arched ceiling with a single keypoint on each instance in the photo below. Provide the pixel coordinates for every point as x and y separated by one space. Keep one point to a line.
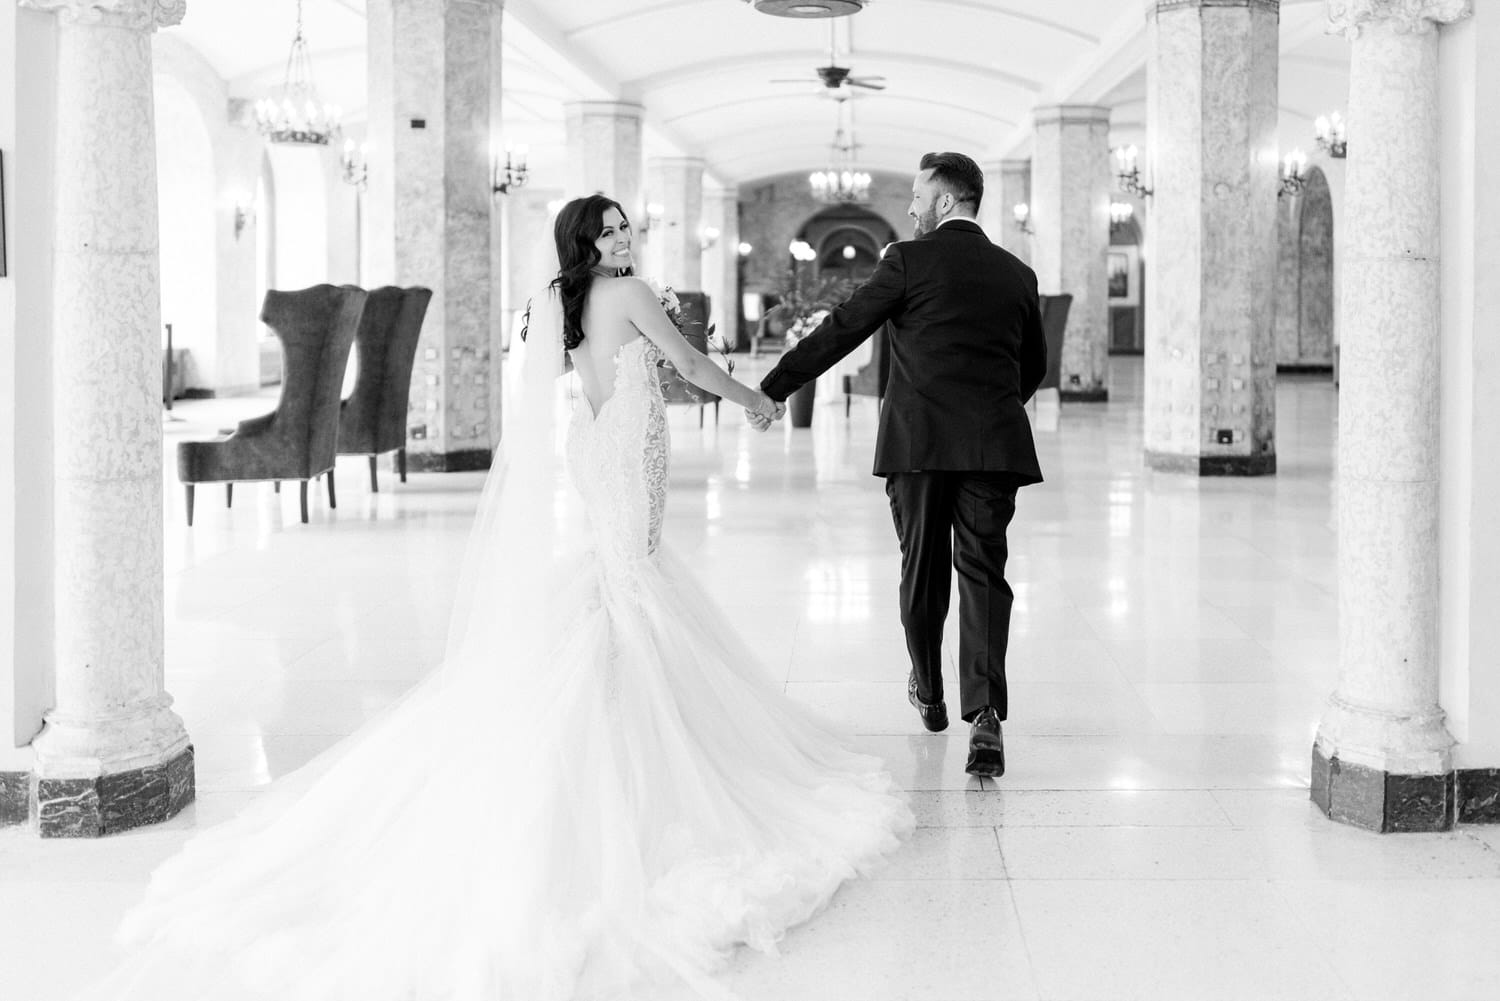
961 74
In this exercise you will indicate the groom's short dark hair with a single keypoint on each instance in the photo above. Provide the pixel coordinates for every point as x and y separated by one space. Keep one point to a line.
957 173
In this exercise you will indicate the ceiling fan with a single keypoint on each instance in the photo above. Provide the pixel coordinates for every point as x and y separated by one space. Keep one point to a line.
834 77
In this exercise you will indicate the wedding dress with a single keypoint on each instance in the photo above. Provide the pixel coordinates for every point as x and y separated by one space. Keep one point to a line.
598 795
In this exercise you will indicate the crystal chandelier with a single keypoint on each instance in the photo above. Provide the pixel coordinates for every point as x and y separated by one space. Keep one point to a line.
840 183
299 117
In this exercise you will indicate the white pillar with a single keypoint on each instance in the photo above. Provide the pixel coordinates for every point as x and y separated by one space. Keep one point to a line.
604 153
434 70
113 754
1007 183
677 183
1070 216
240 152
1211 247
530 260
721 261
1383 720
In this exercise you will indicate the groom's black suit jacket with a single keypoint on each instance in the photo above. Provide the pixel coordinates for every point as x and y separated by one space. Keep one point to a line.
966 353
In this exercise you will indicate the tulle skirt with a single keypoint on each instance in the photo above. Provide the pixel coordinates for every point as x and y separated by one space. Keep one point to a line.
610 823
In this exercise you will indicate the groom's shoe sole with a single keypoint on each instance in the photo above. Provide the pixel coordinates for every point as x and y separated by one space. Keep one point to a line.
934 715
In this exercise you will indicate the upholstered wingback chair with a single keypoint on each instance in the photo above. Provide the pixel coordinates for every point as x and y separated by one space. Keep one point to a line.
299 439
372 420
871 378
674 388
1055 309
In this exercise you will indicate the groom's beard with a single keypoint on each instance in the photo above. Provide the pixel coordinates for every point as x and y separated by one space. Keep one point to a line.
926 223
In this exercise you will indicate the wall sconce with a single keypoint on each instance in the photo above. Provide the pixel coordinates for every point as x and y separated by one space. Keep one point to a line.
802 251
511 174
244 213
744 249
1127 173
655 211
708 236
356 164
1120 213
555 206
849 252
1021 212
1293 174
1330 135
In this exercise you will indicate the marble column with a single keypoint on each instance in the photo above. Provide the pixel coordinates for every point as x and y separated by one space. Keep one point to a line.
721 262
1070 216
112 754
604 152
677 184
434 83
1382 757
1211 160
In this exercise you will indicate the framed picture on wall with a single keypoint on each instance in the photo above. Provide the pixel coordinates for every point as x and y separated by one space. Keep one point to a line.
2 215
1123 266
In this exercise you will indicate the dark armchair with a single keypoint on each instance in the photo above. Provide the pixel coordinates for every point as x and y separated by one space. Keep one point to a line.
299 439
372 420
871 378
674 388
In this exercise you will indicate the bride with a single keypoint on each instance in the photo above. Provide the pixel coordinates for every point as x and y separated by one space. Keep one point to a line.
597 795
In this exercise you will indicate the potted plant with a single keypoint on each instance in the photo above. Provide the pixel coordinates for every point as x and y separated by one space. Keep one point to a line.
806 300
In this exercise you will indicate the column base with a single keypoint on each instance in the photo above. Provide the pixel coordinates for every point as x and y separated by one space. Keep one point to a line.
1098 394
15 798
1263 464
463 461
1381 801
108 804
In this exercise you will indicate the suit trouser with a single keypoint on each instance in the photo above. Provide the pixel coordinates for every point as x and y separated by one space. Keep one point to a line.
956 520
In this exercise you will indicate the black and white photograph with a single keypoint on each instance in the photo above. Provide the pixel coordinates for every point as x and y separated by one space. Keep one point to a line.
749 500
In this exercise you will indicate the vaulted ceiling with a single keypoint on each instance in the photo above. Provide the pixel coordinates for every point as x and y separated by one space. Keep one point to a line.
960 74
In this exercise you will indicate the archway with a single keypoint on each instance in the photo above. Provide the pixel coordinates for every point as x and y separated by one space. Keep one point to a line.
830 230
1124 279
849 252
1304 277
186 213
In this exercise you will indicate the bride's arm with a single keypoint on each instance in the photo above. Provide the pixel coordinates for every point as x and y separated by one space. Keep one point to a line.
644 311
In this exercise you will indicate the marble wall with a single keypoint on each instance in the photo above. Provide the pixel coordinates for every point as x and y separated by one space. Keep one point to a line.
1304 276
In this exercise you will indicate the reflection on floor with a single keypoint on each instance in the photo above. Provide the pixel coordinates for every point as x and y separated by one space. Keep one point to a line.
1173 642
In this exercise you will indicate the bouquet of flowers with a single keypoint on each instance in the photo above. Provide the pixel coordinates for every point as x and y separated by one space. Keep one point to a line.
673 308
804 325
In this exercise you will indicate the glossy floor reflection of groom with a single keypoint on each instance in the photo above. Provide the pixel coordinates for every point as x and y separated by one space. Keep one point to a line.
954 444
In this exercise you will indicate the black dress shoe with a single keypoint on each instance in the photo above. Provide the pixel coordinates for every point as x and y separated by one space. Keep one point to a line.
934 714
986 748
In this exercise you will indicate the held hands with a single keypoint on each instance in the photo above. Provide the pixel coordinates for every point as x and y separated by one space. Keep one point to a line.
765 412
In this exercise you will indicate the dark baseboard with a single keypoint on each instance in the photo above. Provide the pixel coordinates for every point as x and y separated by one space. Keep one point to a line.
1380 801
1100 395
464 461
1263 464
109 804
1479 795
1325 368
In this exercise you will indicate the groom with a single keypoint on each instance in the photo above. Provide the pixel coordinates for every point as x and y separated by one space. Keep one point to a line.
966 353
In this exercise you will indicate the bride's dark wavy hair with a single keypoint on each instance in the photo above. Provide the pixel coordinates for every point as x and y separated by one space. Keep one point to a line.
577 228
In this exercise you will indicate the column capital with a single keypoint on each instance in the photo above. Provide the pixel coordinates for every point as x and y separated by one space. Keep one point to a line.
1349 17
1069 114
142 15
618 109
1169 6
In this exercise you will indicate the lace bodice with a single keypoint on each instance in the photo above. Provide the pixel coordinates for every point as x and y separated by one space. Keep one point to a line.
617 458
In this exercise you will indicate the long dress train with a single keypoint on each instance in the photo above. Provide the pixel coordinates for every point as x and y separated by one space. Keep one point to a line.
628 811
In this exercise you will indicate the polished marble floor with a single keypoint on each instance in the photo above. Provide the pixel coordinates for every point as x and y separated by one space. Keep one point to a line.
1174 639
